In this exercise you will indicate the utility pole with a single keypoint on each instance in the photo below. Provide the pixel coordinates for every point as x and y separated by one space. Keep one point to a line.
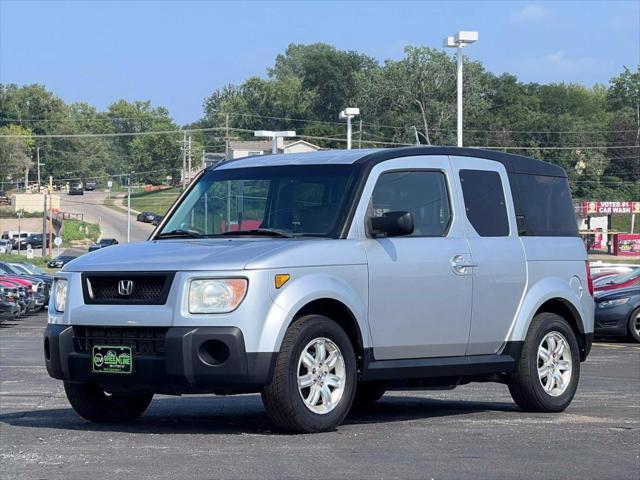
226 137
128 209
19 213
38 159
44 223
26 179
360 135
190 156
184 158
50 190
204 164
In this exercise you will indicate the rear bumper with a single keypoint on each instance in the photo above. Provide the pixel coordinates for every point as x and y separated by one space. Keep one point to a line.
184 366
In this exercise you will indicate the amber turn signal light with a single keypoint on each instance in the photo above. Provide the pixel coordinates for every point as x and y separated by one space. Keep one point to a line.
281 279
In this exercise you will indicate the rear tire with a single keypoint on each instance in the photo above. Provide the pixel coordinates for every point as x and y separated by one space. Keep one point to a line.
540 385
634 325
301 369
94 404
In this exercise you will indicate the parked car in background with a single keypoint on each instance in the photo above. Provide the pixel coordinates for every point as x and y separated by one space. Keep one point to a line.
146 217
42 282
618 313
622 280
76 188
33 296
4 199
156 221
102 243
60 261
16 237
6 246
90 185
599 268
34 240
9 306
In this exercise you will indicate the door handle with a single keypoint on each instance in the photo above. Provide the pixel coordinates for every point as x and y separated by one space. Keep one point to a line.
462 266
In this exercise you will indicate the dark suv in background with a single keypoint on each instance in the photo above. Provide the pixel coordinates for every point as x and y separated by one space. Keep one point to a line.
90 185
76 188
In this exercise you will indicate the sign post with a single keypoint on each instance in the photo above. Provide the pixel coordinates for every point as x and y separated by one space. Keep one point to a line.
58 241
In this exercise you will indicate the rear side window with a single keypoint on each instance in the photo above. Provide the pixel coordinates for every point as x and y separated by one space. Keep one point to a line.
484 202
423 193
546 205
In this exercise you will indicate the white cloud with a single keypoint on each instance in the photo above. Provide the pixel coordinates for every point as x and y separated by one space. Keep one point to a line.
532 13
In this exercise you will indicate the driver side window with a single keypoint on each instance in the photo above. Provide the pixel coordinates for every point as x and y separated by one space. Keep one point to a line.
422 193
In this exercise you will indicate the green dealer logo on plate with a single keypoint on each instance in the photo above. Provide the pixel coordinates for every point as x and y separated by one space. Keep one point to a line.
112 359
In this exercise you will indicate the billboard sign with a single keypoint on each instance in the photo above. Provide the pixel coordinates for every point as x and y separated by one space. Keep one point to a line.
607 208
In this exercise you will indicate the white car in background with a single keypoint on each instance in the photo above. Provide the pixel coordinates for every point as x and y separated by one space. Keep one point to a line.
5 247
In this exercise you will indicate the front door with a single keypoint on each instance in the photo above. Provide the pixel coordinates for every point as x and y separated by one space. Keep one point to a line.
419 287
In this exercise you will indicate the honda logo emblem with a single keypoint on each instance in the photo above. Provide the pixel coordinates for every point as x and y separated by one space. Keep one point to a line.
125 288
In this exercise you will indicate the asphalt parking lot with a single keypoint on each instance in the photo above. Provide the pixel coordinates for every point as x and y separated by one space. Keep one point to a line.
474 431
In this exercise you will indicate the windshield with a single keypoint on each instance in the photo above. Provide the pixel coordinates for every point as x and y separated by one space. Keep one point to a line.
295 200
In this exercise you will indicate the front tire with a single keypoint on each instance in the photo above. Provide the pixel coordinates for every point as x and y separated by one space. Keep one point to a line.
549 366
634 325
314 379
94 404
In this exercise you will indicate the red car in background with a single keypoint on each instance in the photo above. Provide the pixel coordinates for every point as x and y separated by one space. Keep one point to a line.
622 280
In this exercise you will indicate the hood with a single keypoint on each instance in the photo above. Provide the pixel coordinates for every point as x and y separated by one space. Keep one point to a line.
177 255
616 293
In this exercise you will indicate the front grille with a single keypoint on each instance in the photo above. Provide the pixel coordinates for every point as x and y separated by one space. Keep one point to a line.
142 340
147 288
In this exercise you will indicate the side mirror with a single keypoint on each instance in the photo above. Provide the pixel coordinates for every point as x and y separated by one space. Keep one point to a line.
391 224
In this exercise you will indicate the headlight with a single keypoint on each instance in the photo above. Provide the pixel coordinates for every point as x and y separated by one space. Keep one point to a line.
613 303
60 294
216 295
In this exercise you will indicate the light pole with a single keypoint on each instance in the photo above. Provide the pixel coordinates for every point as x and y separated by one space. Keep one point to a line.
274 137
348 113
459 41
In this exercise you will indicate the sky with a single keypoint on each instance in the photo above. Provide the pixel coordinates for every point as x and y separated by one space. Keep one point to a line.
177 53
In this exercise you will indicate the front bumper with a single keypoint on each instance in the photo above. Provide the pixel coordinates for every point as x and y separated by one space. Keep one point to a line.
9 310
613 321
186 364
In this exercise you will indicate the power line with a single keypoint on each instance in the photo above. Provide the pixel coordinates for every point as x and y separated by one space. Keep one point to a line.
367 124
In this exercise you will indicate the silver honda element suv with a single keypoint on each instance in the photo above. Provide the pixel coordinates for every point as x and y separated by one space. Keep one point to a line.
322 280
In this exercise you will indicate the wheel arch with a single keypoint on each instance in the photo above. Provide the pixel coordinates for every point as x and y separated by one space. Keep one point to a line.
339 313
564 308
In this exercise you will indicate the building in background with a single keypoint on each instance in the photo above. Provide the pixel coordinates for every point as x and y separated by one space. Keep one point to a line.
248 148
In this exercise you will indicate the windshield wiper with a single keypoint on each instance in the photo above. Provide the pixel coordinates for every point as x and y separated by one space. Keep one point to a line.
179 233
270 232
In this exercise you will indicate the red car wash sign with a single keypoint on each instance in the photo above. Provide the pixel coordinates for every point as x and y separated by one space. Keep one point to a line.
607 208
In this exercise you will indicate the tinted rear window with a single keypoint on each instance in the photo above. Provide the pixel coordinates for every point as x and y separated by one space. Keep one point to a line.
484 202
546 205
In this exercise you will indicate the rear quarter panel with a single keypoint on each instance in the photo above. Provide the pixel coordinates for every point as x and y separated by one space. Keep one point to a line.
555 269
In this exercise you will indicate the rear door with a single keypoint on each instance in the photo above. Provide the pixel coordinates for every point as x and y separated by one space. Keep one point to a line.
499 274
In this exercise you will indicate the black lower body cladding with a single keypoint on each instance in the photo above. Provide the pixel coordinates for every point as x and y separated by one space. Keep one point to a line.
193 360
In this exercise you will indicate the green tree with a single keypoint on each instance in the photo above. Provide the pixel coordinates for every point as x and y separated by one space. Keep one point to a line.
15 152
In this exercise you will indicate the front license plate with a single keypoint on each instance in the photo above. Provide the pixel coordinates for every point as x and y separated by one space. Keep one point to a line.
108 359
